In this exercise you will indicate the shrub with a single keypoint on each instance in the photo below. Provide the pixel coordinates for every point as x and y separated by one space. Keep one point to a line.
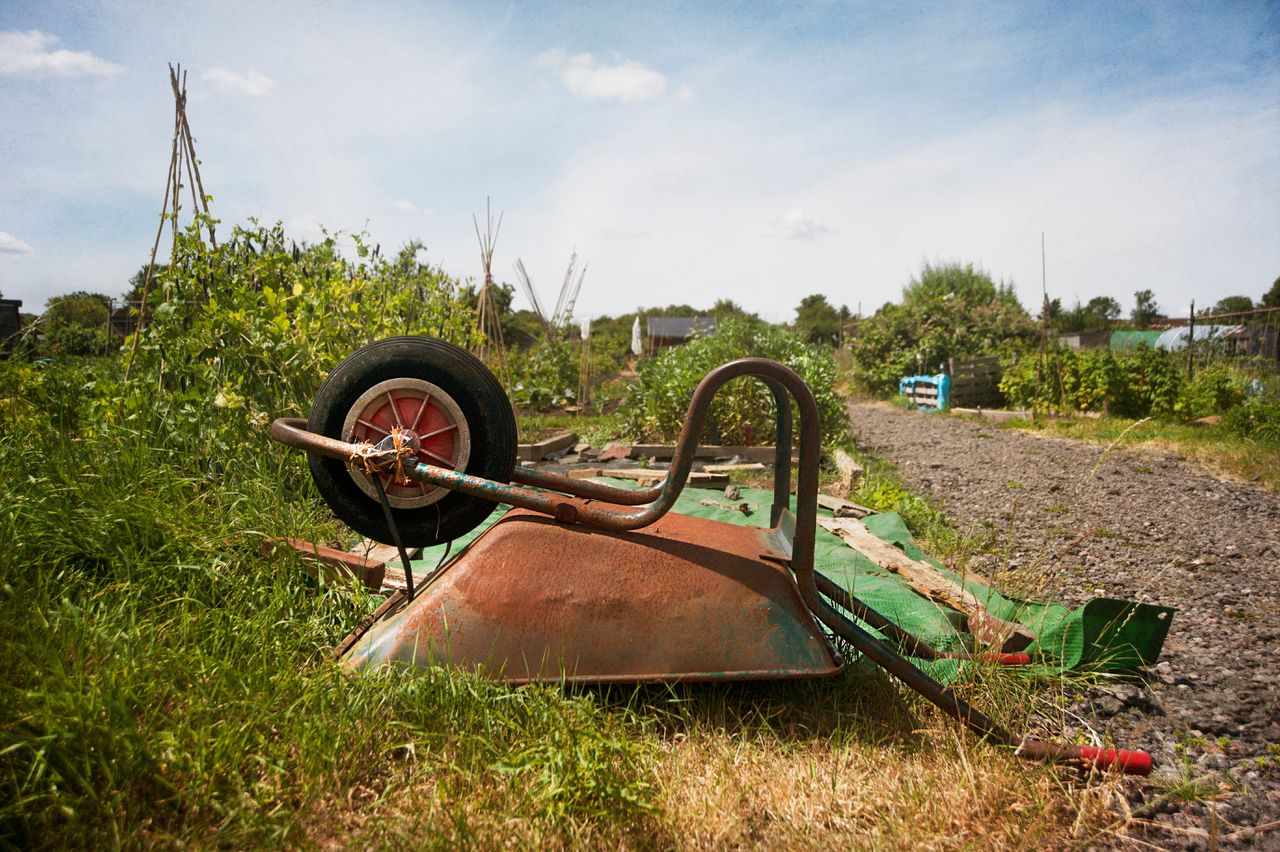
1140 383
1257 419
743 411
1150 382
246 332
75 340
1214 390
545 375
950 311
1076 381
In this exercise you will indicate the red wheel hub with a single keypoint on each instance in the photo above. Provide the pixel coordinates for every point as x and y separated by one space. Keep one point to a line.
424 411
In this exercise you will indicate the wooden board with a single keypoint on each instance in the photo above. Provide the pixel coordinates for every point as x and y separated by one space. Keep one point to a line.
730 468
850 471
542 449
329 563
763 455
651 476
975 382
383 552
1010 637
842 508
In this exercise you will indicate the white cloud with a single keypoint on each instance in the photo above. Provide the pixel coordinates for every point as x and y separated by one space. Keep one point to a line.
253 83
29 55
589 78
404 205
798 224
9 244
685 93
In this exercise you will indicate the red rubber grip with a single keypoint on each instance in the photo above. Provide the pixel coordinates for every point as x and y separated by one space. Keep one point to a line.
1007 659
1128 762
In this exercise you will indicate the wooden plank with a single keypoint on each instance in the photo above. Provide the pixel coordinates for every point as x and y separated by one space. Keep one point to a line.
730 468
653 476
1009 636
542 449
585 473
383 552
332 564
974 382
842 508
850 470
707 451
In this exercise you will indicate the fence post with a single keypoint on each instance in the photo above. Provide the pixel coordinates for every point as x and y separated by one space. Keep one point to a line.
1191 341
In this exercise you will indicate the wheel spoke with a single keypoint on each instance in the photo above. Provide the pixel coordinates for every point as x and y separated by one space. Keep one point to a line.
369 425
439 431
395 410
445 462
421 409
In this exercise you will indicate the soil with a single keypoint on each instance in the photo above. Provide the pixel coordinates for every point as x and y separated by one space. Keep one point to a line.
1084 520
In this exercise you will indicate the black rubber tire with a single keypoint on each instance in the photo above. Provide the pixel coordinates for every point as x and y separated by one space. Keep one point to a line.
484 406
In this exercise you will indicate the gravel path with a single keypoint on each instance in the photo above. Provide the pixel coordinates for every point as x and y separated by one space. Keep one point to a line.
1146 526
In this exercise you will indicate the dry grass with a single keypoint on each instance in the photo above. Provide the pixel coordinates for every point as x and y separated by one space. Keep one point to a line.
723 791
1217 450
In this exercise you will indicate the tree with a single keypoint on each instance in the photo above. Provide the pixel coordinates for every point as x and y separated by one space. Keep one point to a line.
1103 307
1232 304
950 311
76 324
725 308
1145 308
1272 297
1098 314
79 309
817 321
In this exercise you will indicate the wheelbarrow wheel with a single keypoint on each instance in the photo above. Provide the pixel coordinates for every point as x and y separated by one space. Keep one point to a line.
454 406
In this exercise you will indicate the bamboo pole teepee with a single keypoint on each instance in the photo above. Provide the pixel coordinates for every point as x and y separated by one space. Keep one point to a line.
491 349
182 161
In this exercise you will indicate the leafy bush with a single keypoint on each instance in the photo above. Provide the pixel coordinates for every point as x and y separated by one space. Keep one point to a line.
950 311
1142 382
1150 382
743 411
50 394
1257 419
545 375
1213 390
1075 381
246 332
75 340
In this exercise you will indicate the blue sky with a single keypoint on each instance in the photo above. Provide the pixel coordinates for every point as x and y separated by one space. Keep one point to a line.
687 152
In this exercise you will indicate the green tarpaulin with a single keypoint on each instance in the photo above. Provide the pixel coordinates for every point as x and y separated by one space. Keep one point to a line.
1104 634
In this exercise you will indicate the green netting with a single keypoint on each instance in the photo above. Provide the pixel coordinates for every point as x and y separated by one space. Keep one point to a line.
1105 634
1134 339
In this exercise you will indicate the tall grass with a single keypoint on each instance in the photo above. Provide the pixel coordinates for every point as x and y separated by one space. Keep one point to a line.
162 682
161 679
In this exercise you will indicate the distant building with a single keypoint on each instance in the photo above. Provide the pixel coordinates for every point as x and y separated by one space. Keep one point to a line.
666 332
124 322
1086 339
10 322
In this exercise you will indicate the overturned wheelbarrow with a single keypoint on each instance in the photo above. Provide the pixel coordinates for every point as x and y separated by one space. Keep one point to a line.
413 441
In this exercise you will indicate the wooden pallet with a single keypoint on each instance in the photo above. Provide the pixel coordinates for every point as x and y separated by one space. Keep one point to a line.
975 383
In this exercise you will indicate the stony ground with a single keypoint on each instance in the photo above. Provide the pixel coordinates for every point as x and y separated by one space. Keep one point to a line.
1079 519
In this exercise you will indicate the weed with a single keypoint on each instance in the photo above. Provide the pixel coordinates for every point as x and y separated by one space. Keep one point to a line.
1216 447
